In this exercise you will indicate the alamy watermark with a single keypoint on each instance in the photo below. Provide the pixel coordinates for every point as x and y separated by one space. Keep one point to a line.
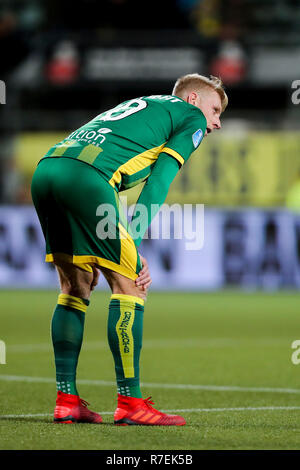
179 222
296 354
2 352
2 92
296 94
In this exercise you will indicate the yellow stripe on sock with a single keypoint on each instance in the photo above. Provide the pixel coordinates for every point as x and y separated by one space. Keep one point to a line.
124 332
71 301
128 298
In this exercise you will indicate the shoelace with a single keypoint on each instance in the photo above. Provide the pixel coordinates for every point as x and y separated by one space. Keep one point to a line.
84 402
148 402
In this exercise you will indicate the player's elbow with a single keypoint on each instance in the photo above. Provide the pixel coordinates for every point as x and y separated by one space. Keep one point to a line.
161 187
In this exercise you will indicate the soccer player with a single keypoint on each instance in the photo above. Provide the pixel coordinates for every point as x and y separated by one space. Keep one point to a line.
75 190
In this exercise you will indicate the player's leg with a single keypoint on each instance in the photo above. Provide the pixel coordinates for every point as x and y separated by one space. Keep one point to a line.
125 331
68 318
67 324
76 282
67 328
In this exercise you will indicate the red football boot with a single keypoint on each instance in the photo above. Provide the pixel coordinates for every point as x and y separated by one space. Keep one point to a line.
73 409
136 411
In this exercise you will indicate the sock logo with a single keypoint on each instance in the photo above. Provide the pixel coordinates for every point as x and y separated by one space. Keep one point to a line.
126 342
123 328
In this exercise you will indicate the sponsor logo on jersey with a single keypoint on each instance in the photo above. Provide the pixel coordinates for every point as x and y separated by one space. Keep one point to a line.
197 137
90 136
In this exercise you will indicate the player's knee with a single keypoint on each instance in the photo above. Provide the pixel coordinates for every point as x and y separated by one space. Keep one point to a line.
74 281
120 284
128 287
82 290
132 290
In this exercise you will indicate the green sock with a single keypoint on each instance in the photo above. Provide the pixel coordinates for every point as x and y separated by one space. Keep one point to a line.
67 333
125 331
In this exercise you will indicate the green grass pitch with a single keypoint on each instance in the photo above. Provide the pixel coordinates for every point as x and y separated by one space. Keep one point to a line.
224 358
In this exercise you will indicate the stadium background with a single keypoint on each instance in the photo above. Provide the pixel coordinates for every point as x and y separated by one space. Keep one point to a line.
227 363
61 68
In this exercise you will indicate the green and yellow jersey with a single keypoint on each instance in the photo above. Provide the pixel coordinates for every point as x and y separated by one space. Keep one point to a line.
143 139
124 143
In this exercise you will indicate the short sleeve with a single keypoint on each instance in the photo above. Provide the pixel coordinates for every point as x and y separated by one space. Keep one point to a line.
187 136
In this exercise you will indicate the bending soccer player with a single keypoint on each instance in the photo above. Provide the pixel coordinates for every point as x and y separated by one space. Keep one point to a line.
75 190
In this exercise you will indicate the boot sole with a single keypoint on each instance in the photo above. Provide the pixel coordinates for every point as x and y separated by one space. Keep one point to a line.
128 422
66 419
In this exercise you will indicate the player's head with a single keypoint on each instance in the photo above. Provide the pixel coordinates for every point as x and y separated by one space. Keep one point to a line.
207 94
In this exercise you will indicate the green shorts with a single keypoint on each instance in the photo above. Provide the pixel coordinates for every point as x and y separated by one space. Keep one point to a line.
81 218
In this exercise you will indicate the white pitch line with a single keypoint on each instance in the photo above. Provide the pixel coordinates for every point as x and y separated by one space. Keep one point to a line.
215 388
40 415
35 415
150 343
188 410
23 378
246 408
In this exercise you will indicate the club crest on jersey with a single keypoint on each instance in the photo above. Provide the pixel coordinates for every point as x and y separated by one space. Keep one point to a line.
197 137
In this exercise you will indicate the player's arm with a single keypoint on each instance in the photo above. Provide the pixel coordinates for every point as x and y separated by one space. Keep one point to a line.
186 138
153 194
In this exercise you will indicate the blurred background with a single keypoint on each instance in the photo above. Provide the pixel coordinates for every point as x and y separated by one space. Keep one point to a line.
63 62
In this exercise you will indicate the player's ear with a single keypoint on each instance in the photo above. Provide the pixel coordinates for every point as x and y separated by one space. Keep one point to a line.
192 97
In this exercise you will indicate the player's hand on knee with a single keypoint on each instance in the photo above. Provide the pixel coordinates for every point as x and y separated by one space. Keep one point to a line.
144 279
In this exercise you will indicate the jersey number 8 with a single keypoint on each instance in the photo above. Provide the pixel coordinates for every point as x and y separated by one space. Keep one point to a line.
123 110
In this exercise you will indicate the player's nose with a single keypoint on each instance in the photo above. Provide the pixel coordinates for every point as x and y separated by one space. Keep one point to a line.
217 124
